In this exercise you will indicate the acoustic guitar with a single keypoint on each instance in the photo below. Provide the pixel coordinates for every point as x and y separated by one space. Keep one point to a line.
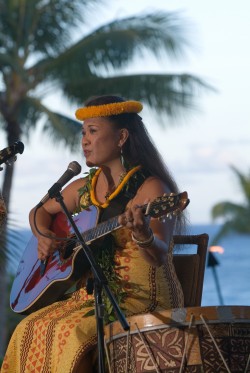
32 290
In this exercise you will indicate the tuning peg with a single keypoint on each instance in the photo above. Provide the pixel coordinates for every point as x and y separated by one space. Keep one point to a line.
162 219
156 211
177 212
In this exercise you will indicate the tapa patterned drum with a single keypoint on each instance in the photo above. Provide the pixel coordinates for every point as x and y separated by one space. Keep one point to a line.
198 339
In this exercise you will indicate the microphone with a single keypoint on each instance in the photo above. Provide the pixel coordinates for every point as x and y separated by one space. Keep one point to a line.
11 151
73 169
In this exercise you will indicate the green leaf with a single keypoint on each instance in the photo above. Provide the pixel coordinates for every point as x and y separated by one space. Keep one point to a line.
235 216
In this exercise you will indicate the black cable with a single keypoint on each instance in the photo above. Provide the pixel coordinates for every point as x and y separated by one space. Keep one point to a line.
69 239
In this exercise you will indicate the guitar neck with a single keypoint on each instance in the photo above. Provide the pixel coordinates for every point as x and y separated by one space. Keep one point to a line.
101 229
161 206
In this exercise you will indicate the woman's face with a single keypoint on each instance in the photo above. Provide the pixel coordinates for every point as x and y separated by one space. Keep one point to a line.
100 141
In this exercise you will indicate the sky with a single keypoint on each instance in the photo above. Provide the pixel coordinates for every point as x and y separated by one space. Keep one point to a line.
201 146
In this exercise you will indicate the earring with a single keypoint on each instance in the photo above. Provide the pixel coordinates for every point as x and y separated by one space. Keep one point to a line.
122 158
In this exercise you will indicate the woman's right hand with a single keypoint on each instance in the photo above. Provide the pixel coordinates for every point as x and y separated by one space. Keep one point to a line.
46 246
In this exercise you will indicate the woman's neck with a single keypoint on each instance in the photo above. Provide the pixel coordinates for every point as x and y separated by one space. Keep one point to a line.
109 178
112 177
112 172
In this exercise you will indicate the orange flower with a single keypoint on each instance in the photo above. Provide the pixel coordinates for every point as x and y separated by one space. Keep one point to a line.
108 109
115 193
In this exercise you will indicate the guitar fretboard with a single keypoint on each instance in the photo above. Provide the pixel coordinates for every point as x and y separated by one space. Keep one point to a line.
162 205
101 230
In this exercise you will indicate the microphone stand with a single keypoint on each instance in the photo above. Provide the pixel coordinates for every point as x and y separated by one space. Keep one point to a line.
100 282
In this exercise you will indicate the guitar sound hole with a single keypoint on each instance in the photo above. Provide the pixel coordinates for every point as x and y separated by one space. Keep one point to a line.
68 248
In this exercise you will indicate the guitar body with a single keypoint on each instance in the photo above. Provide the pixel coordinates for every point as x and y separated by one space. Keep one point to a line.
31 290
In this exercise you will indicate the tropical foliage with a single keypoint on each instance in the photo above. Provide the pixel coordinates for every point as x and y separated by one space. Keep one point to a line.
236 216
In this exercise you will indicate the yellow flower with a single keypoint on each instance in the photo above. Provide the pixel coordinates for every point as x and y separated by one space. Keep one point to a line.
85 200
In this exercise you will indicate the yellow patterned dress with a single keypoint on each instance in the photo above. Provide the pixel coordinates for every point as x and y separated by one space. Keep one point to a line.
53 339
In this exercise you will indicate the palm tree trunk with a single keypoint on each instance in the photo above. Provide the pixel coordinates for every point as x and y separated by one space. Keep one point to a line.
6 191
3 300
13 135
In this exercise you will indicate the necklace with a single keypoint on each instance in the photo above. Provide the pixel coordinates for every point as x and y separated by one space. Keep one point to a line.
123 180
122 175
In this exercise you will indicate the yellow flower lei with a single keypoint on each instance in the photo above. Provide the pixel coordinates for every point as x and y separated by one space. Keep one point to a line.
115 193
108 109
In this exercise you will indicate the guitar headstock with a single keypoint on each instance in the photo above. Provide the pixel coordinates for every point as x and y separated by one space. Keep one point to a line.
167 205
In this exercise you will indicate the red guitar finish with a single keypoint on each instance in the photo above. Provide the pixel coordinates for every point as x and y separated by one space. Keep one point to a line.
32 290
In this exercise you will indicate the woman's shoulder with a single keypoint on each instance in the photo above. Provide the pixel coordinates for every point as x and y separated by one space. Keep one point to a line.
79 183
154 183
153 187
85 180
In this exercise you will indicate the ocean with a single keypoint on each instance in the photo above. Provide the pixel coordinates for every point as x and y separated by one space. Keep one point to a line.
228 283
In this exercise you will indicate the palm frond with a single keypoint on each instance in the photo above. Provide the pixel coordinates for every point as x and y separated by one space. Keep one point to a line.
163 93
115 44
240 226
8 60
59 128
28 115
41 25
223 231
237 216
227 210
11 240
244 181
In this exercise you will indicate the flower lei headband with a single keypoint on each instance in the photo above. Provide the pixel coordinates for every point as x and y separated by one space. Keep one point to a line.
108 109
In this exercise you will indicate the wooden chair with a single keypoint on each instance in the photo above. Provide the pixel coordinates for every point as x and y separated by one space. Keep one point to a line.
190 267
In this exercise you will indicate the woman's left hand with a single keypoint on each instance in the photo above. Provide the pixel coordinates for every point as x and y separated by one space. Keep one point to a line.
135 220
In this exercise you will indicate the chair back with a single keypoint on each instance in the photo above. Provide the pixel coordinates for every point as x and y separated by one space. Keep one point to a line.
190 268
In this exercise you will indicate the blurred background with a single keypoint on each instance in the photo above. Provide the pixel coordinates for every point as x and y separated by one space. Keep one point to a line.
191 71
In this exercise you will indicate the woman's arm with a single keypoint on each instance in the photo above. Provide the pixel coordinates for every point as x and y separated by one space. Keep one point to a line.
45 214
151 235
